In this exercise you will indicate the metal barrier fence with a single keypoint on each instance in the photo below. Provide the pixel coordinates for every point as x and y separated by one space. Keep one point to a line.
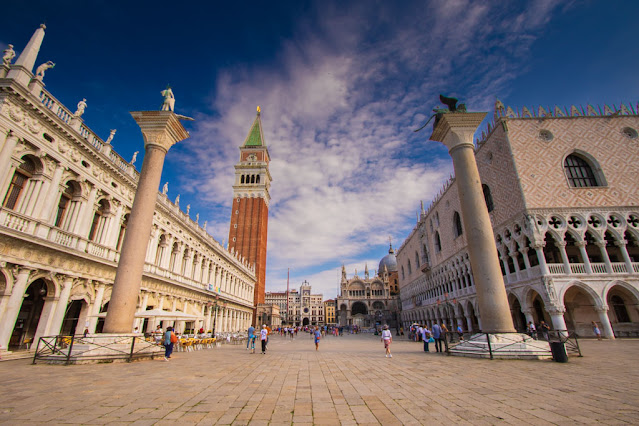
70 349
509 345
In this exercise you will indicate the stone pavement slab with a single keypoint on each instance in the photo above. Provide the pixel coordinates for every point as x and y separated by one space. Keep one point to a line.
348 381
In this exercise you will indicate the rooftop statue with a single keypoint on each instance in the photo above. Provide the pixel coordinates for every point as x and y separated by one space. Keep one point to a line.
451 103
39 75
165 188
9 54
81 107
135 156
110 138
169 99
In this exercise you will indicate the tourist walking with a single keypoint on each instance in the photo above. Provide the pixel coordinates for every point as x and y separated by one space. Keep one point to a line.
445 333
436 332
251 332
263 338
545 329
387 338
318 335
169 340
460 332
596 330
426 336
532 330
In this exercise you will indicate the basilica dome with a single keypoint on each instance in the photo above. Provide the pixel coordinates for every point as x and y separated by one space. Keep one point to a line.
390 261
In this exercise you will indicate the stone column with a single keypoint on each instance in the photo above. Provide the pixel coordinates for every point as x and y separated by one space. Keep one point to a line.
161 130
61 308
95 309
5 156
605 322
539 249
584 255
624 254
13 305
561 245
456 130
604 255
557 318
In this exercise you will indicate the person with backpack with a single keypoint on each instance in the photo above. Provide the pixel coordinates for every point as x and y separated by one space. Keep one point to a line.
169 340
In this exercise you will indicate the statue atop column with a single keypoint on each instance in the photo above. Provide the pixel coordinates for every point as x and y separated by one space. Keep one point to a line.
451 103
165 188
9 54
82 105
39 75
169 99
110 138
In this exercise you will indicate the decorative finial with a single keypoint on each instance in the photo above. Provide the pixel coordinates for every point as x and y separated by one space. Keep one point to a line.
44 27
259 110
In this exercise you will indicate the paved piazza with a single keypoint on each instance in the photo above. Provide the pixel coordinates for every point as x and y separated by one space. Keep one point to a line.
349 381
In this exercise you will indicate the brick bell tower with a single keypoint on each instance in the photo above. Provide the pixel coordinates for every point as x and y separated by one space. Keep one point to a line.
249 217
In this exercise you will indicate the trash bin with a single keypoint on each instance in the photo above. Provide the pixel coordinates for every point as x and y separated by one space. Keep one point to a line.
558 350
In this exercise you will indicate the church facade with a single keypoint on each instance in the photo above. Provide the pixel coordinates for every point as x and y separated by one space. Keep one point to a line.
66 199
561 190
369 301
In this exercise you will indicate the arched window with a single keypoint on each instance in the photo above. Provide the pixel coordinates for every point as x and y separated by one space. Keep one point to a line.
620 309
403 275
488 198
123 225
63 205
458 230
425 253
438 243
416 259
579 172
97 226
410 269
252 178
242 179
18 182
257 179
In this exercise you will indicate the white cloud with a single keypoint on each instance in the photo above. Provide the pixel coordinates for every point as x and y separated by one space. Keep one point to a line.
339 105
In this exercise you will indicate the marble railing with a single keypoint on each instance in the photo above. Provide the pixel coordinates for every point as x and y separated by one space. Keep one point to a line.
72 242
49 101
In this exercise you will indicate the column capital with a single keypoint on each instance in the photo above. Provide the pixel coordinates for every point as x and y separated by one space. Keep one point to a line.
621 243
456 129
160 128
581 243
556 310
600 309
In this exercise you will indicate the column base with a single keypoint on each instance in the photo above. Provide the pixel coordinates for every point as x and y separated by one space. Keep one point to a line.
502 346
96 349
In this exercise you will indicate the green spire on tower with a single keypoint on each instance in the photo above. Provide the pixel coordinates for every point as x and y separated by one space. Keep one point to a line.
255 137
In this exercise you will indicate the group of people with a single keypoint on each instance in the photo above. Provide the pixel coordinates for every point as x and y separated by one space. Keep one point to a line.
252 337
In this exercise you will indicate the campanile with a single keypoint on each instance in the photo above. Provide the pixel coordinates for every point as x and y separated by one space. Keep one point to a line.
249 217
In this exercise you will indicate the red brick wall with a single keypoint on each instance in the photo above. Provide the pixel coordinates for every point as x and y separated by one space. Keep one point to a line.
250 237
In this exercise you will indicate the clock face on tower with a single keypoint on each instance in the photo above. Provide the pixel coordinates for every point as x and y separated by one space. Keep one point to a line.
306 310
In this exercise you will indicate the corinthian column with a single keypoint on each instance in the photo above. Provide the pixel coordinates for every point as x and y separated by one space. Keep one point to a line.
456 130
161 130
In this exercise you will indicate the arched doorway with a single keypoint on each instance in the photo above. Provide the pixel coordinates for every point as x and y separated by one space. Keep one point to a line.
343 317
470 311
539 309
580 311
29 315
359 311
519 319
305 321
71 318
622 311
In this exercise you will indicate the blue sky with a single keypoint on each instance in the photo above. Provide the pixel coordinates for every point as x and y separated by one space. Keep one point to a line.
342 86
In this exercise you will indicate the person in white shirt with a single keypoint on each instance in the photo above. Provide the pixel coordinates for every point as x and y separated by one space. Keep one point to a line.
425 337
420 332
264 338
387 338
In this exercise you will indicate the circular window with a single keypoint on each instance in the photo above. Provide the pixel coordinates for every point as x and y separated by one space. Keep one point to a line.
546 135
306 310
629 132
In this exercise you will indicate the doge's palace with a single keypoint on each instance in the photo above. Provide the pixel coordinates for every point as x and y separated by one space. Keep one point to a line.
67 196
560 186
